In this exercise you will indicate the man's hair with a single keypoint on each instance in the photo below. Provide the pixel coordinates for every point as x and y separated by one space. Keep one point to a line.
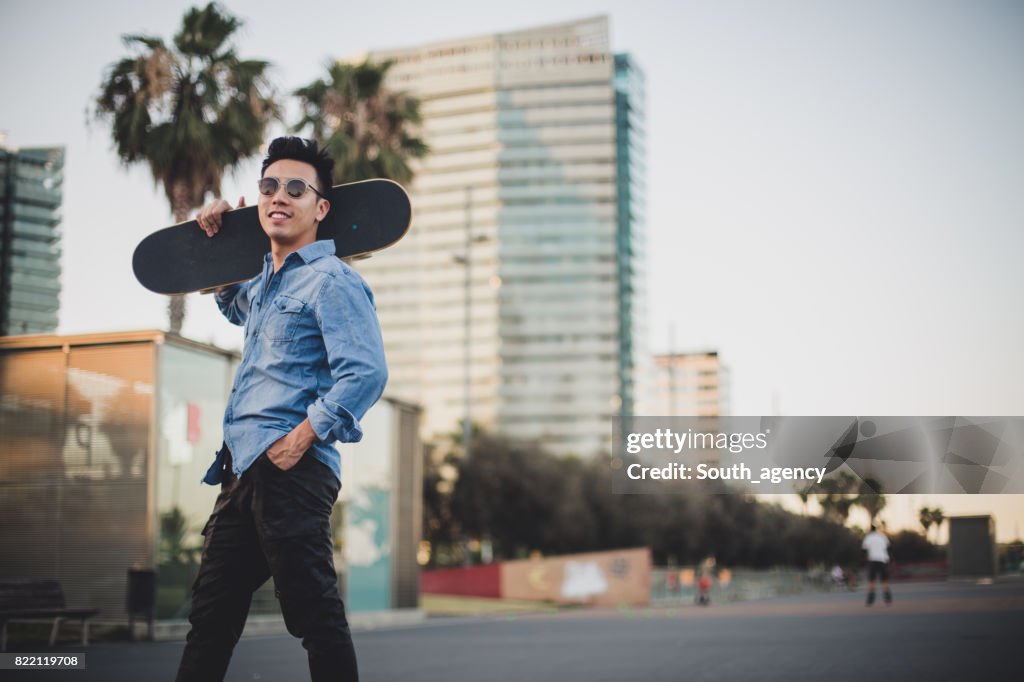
307 151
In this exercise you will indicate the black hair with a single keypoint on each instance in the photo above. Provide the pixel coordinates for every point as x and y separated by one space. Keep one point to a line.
307 151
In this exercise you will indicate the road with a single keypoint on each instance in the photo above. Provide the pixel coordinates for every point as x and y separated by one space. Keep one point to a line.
937 631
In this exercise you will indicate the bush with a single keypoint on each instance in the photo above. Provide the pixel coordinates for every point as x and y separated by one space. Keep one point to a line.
909 546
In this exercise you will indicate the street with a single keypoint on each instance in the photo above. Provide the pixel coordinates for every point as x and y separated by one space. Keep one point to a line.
934 631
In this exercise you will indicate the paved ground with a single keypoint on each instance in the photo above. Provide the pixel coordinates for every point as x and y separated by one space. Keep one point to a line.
947 631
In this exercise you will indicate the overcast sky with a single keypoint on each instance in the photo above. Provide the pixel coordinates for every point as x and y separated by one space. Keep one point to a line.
835 199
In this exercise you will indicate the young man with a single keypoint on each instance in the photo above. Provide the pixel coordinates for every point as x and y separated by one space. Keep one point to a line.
877 547
312 365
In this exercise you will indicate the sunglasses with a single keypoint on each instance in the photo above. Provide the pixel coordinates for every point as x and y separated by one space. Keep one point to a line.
295 187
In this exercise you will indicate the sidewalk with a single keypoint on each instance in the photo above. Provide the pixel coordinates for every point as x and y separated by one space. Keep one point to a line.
259 626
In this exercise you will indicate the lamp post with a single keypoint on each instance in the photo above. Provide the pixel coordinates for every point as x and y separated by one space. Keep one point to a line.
466 261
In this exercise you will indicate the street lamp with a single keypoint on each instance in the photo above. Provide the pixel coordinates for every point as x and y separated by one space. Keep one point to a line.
466 261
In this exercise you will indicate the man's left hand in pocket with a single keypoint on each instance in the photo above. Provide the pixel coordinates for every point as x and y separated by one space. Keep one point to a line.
286 452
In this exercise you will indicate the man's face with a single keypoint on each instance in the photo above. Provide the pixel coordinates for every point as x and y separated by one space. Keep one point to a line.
288 220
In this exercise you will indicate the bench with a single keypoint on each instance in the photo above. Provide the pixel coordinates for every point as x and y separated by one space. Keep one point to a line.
34 600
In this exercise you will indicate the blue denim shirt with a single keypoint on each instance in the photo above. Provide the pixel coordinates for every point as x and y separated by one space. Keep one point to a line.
313 348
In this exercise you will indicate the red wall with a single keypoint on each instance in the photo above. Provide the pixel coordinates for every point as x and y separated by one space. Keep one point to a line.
472 581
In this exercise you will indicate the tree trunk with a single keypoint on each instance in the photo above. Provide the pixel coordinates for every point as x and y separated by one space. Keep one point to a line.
176 312
181 205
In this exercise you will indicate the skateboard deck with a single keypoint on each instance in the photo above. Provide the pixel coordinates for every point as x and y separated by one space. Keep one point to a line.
365 217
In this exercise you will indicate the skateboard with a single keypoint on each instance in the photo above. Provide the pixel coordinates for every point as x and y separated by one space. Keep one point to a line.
365 217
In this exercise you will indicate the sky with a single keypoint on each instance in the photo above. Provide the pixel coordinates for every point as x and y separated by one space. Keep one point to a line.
834 199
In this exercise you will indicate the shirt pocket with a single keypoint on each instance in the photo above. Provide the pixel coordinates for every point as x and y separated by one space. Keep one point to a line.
284 318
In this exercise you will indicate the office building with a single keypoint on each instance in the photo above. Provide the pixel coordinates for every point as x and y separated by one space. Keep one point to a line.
524 268
690 385
31 183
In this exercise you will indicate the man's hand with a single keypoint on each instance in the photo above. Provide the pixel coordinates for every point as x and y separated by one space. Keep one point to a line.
286 452
209 217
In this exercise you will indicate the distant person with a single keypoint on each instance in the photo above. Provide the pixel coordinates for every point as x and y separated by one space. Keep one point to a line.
838 577
704 590
877 547
672 582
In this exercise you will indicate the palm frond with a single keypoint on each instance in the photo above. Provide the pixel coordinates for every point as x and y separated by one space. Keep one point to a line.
369 130
204 31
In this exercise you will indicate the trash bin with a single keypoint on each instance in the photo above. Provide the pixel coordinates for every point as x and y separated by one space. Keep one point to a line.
141 597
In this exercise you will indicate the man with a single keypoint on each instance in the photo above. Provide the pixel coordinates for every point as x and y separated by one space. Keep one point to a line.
312 365
877 547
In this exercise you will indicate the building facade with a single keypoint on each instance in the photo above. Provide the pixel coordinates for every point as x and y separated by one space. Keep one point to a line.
104 439
31 187
523 270
690 385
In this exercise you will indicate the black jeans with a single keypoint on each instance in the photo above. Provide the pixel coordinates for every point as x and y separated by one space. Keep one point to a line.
270 523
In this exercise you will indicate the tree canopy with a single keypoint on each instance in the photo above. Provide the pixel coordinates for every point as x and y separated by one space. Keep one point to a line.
522 499
369 130
190 110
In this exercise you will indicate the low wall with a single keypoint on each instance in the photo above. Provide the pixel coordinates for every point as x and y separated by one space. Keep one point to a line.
679 585
598 578
920 571
614 578
470 581
671 586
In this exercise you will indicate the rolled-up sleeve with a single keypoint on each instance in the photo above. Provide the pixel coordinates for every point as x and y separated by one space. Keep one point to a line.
355 353
233 302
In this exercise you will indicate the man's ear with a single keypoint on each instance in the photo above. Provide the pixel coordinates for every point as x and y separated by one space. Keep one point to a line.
322 209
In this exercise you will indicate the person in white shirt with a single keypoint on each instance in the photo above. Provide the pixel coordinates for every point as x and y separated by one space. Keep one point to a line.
838 577
877 547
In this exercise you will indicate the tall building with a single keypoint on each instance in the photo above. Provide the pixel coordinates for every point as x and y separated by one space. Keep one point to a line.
528 214
690 385
31 182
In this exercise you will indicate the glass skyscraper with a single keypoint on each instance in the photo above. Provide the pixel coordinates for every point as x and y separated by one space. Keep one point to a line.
31 182
524 266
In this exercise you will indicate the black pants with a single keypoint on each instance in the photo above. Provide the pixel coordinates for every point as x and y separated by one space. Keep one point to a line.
270 523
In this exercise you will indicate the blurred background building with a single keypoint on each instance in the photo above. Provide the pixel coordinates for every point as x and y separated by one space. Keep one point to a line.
105 438
31 184
690 385
525 270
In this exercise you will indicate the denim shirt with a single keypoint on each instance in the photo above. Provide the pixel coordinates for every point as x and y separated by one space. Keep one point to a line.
313 348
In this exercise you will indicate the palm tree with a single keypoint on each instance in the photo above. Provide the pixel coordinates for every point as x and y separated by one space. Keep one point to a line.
367 128
190 111
937 518
924 516
870 498
836 496
931 517
804 494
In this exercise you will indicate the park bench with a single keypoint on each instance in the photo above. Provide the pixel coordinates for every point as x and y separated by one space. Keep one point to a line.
34 600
